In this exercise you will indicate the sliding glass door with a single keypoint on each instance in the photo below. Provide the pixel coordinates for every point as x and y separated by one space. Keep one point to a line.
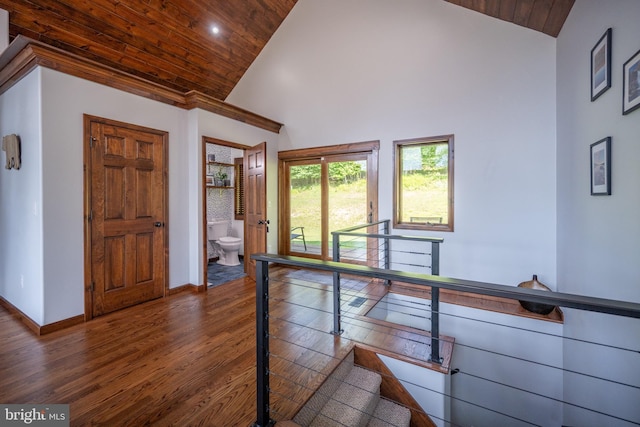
305 207
348 203
321 194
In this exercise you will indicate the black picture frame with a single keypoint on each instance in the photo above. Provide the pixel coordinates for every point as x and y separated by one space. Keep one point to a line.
601 66
600 160
631 84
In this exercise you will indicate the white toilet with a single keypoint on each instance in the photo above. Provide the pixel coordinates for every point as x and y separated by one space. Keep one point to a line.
226 247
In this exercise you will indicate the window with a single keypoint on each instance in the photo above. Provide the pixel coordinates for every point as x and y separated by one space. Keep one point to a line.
423 183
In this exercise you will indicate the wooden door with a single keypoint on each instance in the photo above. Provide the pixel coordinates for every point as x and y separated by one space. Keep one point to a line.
255 220
127 213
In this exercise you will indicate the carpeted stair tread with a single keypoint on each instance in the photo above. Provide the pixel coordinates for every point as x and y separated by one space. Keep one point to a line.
389 414
354 401
313 407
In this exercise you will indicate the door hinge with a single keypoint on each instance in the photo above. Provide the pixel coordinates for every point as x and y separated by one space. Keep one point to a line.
90 216
92 287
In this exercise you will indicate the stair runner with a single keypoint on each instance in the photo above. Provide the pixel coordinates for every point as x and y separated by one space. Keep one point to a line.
350 396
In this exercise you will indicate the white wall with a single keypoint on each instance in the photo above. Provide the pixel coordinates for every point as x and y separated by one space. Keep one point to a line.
338 72
21 210
499 356
42 214
431 391
195 233
64 101
598 236
487 390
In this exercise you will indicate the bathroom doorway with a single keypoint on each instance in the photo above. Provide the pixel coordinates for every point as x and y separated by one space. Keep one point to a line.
223 210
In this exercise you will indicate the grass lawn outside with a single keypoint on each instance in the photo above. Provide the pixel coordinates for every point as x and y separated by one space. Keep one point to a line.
347 207
424 196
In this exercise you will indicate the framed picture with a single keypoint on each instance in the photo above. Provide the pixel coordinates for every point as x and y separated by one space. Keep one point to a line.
631 84
601 66
601 167
211 158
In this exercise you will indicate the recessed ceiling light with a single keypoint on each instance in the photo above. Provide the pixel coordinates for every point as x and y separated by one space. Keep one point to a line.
215 29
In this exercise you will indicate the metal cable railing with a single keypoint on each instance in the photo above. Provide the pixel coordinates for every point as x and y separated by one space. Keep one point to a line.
377 240
496 376
371 244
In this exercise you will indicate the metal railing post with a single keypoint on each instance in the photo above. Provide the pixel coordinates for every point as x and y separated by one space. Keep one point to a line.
337 327
262 344
435 305
435 258
387 251
435 326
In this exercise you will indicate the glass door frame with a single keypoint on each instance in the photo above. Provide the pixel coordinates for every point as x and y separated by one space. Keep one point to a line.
322 156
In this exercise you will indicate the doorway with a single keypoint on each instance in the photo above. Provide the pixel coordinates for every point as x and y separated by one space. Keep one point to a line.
323 190
231 192
126 251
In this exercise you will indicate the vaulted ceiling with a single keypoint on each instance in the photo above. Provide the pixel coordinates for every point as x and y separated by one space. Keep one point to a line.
546 16
172 42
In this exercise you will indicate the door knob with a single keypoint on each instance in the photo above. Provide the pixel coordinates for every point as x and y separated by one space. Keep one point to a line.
158 224
264 222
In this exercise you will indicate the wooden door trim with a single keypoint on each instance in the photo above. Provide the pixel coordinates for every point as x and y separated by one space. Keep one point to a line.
212 140
309 153
203 176
87 169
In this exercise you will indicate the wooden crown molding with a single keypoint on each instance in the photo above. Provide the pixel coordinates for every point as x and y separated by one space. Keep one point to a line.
24 54
194 99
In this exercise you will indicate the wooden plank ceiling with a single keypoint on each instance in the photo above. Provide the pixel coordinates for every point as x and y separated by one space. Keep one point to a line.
546 16
170 42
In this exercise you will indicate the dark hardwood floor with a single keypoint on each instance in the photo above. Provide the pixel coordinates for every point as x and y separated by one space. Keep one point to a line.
189 359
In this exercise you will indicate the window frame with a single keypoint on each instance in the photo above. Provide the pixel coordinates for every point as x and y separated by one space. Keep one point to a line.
397 182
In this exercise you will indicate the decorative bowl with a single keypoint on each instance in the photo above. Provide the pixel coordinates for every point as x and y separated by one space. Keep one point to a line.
536 307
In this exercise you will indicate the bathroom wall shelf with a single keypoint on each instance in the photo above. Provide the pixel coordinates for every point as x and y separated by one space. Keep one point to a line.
213 171
221 164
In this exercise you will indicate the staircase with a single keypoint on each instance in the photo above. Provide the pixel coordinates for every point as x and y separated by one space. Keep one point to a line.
350 396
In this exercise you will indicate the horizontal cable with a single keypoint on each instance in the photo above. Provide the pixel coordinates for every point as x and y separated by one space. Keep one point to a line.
417 409
358 293
274 373
330 397
549 334
468 374
546 397
504 355
587 303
